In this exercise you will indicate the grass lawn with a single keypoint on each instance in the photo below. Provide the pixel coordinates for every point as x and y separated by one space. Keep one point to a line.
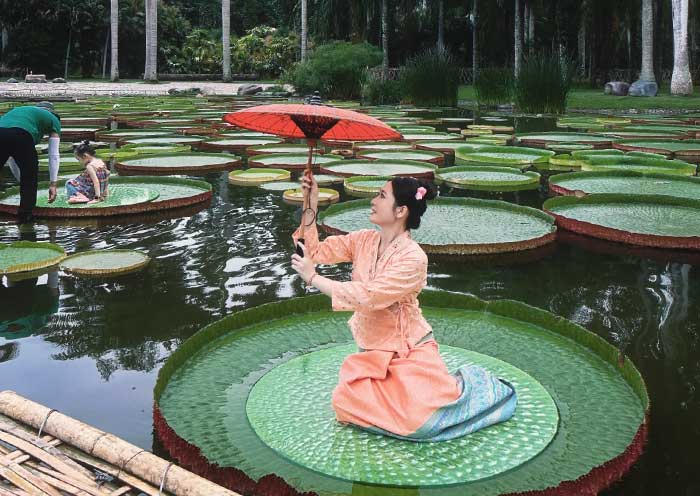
588 99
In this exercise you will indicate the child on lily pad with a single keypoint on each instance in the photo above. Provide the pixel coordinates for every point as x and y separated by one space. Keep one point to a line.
91 185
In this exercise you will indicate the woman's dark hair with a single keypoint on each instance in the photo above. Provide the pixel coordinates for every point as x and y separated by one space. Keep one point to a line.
405 189
84 148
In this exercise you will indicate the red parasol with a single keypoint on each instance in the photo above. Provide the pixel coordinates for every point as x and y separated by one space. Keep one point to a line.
312 122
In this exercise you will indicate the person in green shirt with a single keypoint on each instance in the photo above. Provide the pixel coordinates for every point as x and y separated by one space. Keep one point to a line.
20 130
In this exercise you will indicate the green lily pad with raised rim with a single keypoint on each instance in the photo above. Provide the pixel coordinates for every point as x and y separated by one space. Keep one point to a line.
626 182
459 225
448 147
279 186
237 144
68 164
565 160
326 179
431 137
639 164
289 160
418 155
255 177
105 262
268 149
409 128
543 139
676 148
124 134
514 156
215 370
179 163
643 220
364 186
348 168
309 381
382 145
165 140
24 256
687 129
325 196
488 178
119 195
568 147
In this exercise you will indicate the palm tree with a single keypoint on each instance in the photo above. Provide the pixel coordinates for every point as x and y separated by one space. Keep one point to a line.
304 28
518 41
441 24
151 70
385 39
681 81
475 38
226 38
647 73
114 33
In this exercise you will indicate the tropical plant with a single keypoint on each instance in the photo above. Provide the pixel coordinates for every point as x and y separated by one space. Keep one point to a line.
335 69
264 51
544 83
200 54
431 78
494 86
376 90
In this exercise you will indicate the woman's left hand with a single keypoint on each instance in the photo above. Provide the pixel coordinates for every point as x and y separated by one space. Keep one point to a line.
303 265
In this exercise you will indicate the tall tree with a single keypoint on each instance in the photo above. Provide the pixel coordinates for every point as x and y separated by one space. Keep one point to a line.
226 38
151 70
530 22
441 24
681 81
518 39
647 73
114 37
385 39
475 39
304 28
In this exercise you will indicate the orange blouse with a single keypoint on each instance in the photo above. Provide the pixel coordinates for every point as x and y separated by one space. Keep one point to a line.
383 291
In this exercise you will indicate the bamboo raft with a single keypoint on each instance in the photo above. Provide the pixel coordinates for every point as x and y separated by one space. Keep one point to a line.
46 453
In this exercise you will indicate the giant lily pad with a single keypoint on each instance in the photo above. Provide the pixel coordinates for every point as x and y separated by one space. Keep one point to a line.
447 147
164 140
23 256
125 134
365 186
459 225
638 164
644 220
217 370
284 148
671 148
289 160
254 177
178 163
514 156
419 155
541 140
105 262
488 178
432 137
382 145
625 182
237 144
326 196
68 164
348 168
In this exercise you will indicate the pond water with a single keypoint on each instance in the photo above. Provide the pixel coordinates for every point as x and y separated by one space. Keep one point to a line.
92 348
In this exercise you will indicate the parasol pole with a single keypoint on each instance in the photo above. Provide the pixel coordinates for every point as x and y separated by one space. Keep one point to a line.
305 205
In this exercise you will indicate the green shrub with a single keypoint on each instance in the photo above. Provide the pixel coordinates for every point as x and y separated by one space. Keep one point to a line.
494 86
543 84
379 91
431 79
335 69
200 54
263 51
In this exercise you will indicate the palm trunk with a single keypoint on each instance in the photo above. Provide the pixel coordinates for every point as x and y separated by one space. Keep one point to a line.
518 41
151 71
4 39
526 24
647 73
475 41
531 29
226 38
70 41
104 56
304 28
582 40
441 24
385 39
681 81
114 30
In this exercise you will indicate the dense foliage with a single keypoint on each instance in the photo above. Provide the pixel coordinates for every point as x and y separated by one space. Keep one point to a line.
543 85
494 86
431 79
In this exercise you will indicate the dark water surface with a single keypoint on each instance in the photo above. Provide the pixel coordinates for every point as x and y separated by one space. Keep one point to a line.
92 348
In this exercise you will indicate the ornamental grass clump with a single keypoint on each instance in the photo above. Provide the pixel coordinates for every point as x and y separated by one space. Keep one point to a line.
494 86
543 85
379 91
431 79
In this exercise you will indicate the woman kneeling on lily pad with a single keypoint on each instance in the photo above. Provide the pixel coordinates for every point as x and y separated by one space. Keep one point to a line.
398 384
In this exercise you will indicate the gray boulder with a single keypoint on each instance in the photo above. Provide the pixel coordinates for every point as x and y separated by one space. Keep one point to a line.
249 89
58 80
12 80
643 88
617 88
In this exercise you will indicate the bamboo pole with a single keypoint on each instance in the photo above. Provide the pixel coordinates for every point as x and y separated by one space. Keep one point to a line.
131 459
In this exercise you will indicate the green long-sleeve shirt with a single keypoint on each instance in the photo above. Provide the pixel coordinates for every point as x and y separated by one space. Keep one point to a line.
35 120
